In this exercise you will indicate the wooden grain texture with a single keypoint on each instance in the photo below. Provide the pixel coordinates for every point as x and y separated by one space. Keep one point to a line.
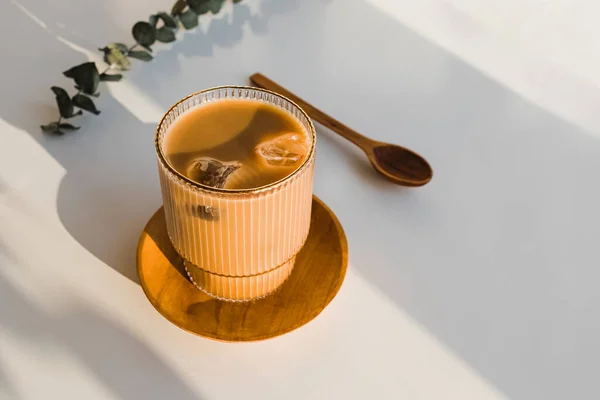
315 280
396 163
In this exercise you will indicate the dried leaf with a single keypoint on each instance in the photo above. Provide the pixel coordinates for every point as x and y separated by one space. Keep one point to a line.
120 46
86 77
115 54
50 128
85 103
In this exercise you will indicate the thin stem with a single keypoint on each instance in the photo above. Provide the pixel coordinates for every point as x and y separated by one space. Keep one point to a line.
76 94
178 7
58 124
106 70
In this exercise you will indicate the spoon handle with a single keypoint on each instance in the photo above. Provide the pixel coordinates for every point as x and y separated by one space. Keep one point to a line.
262 81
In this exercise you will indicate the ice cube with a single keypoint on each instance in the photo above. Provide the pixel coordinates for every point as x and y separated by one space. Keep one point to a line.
211 172
283 151
208 213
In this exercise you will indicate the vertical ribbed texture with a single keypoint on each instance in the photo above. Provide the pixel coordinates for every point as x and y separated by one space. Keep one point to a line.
233 234
239 288
249 234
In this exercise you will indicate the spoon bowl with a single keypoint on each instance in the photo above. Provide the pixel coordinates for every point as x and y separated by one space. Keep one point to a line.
398 164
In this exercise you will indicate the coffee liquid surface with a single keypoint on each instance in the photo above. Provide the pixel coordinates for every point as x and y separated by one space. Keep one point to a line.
236 144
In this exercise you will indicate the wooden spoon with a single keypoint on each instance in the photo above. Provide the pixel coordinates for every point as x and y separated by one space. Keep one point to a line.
398 164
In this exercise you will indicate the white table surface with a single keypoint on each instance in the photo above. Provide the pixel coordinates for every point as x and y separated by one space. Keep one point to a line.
481 285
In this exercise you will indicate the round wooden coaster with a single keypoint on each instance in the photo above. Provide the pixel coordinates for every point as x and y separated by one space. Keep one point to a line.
317 276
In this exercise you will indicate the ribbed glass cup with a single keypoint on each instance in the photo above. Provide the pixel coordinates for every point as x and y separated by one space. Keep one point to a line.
238 244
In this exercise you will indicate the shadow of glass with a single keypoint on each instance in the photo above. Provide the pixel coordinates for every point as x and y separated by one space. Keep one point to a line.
159 235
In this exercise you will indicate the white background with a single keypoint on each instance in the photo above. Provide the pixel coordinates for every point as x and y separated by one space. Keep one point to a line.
481 285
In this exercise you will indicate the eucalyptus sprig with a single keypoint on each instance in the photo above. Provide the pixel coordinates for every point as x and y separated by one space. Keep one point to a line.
160 27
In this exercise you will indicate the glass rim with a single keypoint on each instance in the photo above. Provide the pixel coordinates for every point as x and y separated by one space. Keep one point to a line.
165 162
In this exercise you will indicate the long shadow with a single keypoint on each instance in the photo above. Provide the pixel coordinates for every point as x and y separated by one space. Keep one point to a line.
6 387
496 257
127 368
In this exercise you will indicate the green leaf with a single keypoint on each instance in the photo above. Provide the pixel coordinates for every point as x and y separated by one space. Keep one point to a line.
115 55
189 19
111 77
165 35
216 5
144 34
86 77
153 20
200 7
63 100
166 19
141 55
85 103
236 1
